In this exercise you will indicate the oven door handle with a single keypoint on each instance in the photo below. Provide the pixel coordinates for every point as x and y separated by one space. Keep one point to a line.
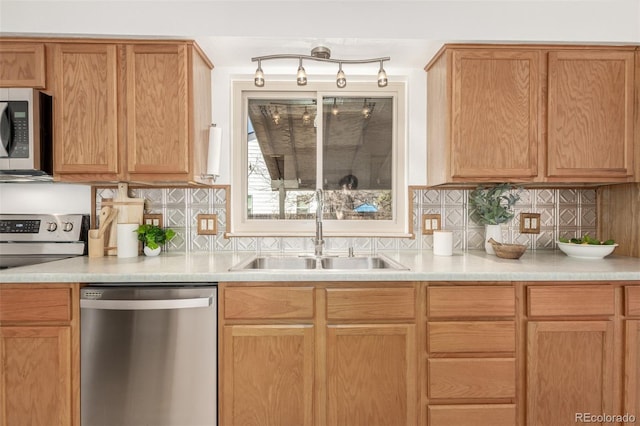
145 304
6 134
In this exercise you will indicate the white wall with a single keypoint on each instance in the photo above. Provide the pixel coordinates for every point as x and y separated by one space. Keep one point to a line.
231 32
35 198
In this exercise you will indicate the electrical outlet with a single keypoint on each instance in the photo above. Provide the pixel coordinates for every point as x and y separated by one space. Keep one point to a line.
529 223
152 219
207 224
430 223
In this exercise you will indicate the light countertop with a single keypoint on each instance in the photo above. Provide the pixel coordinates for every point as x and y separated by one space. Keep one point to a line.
199 267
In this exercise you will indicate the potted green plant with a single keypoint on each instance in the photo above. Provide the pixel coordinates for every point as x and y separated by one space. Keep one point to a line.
153 237
492 206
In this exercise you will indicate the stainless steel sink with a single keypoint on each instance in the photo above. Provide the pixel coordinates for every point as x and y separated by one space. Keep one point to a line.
359 262
274 263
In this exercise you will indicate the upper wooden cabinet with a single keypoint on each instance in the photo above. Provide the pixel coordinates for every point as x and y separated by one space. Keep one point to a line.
483 115
158 112
124 110
86 111
130 111
22 64
501 113
590 114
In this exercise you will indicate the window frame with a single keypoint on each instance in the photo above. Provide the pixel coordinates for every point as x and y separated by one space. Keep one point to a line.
242 226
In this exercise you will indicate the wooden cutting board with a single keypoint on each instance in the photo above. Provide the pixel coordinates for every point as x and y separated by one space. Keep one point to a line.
130 210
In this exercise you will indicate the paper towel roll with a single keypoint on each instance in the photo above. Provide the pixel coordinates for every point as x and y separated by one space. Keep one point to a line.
127 238
213 156
442 243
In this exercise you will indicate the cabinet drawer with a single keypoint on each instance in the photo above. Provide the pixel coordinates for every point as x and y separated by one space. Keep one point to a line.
48 304
472 415
465 337
470 302
632 298
472 378
370 303
570 301
268 303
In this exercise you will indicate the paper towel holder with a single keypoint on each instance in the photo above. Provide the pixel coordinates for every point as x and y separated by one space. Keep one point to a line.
213 153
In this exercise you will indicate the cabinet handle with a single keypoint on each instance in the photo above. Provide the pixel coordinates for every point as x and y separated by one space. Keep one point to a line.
135 305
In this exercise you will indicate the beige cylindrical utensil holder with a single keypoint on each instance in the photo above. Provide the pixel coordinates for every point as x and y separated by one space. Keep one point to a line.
96 243
127 240
442 243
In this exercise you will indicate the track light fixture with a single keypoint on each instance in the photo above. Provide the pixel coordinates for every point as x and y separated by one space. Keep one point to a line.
301 78
258 79
382 77
320 54
341 80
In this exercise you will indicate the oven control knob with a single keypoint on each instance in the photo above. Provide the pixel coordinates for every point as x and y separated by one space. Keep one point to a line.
52 226
68 226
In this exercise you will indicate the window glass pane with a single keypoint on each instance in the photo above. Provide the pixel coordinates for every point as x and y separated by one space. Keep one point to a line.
281 138
357 153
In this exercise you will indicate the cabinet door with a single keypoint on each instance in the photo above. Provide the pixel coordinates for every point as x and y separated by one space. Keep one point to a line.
35 378
22 65
632 369
569 370
85 112
495 114
371 375
267 375
157 111
590 116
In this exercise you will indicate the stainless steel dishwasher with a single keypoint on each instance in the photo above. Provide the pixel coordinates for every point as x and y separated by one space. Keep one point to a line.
148 355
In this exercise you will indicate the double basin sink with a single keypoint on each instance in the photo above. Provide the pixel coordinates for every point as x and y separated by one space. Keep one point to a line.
326 263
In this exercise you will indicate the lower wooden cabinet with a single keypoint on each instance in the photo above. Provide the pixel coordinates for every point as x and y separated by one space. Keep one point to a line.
632 369
39 355
569 370
472 415
371 375
321 354
572 363
268 375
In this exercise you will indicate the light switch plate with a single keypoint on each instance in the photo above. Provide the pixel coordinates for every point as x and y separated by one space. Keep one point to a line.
529 223
207 224
152 219
430 223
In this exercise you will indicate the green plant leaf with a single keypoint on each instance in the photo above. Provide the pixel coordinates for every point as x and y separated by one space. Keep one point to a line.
153 236
492 206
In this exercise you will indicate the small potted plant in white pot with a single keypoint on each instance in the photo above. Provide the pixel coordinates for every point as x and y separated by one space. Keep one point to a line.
492 207
153 237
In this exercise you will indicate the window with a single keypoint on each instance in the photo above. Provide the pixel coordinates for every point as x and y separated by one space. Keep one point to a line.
290 141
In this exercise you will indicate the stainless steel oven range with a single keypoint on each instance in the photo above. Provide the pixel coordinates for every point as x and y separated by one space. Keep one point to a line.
27 239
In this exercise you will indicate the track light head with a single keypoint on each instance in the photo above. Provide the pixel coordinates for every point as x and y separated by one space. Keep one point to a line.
382 77
341 80
301 77
258 78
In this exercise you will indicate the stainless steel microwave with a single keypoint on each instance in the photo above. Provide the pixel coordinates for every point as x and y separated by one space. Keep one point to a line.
26 135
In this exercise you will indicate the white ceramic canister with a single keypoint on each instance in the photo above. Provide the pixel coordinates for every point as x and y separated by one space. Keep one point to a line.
127 239
442 243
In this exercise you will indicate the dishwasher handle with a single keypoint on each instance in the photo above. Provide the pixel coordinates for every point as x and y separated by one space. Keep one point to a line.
148 304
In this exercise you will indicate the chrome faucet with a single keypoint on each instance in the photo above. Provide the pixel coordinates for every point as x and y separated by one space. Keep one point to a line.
318 242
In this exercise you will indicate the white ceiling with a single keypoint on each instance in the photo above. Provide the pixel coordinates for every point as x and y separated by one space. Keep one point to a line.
231 32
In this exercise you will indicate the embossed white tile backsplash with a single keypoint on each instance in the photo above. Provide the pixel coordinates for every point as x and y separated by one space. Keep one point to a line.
563 212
